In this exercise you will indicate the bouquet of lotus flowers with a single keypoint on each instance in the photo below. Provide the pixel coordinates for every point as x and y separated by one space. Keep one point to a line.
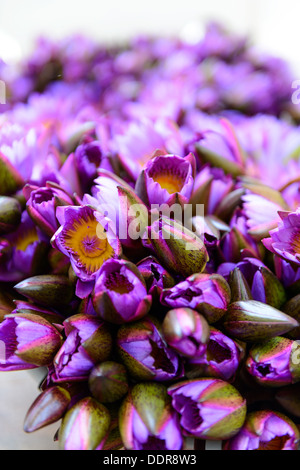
150 242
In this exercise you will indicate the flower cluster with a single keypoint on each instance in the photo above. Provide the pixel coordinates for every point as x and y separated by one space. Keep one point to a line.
150 242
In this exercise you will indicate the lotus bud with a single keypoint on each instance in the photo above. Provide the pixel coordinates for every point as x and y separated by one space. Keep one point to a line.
108 382
176 247
145 353
120 293
221 359
29 341
147 420
289 398
155 276
88 342
209 294
51 290
292 308
250 320
10 178
85 426
209 408
10 214
275 362
186 331
239 287
47 408
265 430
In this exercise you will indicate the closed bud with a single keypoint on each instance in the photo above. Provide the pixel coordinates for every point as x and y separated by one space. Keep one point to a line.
10 214
250 320
85 426
265 430
48 408
275 362
178 249
239 286
51 290
289 398
108 382
267 288
186 331
10 178
209 408
292 308
147 420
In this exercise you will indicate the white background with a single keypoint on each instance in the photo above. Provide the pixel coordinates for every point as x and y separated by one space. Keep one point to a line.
273 25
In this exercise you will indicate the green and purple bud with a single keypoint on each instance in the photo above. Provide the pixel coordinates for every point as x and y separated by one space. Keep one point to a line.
186 331
222 358
147 420
275 362
49 290
209 408
29 341
47 408
85 426
108 381
292 308
145 353
120 293
252 321
289 398
179 249
88 342
10 214
239 286
265 430
209 294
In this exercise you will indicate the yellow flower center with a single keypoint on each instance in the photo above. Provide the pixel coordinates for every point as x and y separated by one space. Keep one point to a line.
88 242
172 183
26 239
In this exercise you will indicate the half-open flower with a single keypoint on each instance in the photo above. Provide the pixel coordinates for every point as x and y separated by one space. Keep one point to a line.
265 430
88 342
155 275
275 362
147 420
166 179
28 341
209 408
120 293
86 237
42 203
221 358
209 294
145 353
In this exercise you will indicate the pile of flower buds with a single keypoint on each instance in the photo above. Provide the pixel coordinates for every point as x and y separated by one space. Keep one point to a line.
150 242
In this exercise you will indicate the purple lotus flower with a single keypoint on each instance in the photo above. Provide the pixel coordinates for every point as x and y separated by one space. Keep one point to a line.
274 362
22 252
86 237
42 203
209 408
166 179
80 351
285 239
265 430
221 359
145 353
147 420
208 294
120 293
28 341
186 331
